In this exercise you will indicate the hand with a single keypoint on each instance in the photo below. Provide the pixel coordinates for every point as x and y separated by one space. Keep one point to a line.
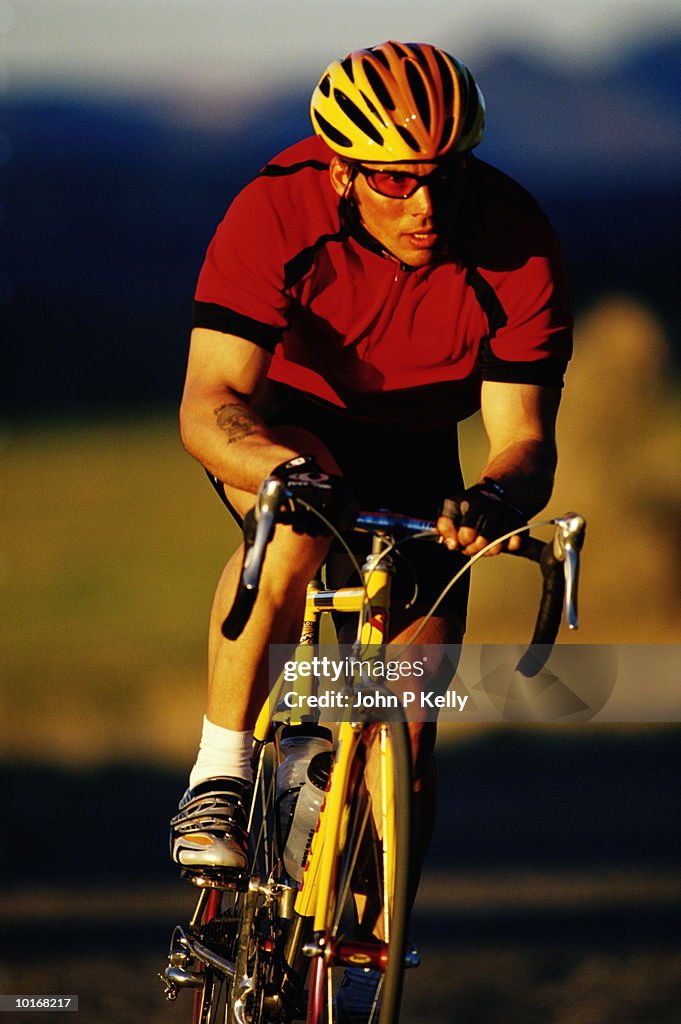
327 492
470 520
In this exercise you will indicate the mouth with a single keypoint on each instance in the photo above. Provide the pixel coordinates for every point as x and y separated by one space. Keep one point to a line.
422 239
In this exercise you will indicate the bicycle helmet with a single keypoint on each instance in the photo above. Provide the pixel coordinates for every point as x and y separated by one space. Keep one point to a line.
398 102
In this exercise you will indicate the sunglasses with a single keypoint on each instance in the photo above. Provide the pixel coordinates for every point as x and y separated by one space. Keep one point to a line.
403 184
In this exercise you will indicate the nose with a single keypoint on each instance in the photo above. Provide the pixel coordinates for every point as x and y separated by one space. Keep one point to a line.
421 203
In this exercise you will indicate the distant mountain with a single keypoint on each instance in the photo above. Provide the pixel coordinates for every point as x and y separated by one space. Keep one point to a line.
569 132
109 206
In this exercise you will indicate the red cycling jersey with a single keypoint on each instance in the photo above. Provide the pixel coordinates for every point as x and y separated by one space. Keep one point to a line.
354 329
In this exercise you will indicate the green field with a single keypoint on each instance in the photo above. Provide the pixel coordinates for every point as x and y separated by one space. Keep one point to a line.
113 544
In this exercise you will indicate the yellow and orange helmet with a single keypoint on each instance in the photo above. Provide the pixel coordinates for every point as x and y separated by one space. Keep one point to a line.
398 102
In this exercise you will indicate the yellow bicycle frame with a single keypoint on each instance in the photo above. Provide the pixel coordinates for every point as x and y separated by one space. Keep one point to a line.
371 602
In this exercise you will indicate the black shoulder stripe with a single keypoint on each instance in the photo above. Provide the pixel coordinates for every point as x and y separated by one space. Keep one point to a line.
279 170
488 299
548 373
299 265
228 321
543 372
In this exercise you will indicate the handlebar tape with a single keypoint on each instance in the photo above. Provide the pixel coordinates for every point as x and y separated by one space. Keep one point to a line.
550 608
240 612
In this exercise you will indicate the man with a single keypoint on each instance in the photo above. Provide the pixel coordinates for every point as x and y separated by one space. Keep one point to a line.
372 286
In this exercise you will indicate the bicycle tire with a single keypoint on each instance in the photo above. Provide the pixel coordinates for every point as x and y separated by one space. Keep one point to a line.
377 861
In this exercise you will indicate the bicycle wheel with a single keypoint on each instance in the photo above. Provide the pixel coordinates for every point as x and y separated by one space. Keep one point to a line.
368 905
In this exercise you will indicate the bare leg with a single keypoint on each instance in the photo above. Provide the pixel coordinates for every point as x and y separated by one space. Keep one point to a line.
238 669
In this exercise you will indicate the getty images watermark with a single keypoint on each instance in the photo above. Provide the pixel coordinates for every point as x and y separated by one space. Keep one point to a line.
363 683
479 683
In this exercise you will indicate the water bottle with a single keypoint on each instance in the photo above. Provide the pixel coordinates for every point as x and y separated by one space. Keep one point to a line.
305 814
298 744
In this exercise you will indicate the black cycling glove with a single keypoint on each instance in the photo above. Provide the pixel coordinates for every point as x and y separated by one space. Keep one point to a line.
485 508
327 492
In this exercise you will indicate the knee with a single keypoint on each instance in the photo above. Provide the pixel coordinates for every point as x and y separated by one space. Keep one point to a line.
292 561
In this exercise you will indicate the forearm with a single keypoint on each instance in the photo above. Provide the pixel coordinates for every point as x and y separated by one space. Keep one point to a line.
230 440
526 470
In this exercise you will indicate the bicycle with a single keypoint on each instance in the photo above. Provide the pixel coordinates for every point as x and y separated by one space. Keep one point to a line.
261 947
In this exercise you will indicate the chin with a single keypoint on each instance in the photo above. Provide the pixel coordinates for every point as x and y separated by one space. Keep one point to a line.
422 259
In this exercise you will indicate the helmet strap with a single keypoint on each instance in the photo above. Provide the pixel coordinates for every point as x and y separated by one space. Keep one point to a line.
353 171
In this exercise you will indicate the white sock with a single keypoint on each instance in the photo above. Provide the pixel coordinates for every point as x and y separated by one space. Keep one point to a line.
222 752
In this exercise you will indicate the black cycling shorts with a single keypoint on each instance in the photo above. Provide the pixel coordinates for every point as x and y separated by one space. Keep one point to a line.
403 471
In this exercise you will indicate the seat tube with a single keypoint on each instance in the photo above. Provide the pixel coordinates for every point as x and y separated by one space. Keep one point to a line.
309 632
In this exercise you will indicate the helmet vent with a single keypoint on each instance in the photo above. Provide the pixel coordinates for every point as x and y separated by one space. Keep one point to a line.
447 81
419 55
408 138
378 53
378 85
349 70
352 111
369 104
446 133
331 132
400 50
418 91
325 85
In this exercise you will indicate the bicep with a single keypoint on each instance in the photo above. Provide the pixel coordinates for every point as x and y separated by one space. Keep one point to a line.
519 412
223 362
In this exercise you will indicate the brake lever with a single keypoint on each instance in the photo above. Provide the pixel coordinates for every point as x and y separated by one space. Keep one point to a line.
267 505
567 543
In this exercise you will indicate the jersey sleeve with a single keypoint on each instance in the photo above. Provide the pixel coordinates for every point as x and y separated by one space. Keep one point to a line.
240 289
530 338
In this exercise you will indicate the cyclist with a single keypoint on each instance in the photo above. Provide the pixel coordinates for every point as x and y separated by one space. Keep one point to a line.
372 286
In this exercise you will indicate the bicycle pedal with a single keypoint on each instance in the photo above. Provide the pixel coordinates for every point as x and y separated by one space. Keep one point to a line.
216 878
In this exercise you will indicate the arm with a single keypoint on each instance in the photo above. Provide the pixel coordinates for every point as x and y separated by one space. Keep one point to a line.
217 424
520 423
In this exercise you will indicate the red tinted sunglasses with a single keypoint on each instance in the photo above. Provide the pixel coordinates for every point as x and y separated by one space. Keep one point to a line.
403 184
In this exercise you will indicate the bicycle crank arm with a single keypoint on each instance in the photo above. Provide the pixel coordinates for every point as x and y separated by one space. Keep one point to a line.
243 990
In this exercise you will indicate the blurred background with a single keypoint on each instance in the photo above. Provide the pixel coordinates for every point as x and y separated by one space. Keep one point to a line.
126 129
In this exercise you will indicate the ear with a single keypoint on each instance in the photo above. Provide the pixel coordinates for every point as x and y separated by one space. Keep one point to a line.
339 172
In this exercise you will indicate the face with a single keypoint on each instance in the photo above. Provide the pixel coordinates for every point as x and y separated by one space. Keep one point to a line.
413 227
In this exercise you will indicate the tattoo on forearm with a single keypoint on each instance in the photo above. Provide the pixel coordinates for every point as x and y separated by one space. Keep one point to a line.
236 421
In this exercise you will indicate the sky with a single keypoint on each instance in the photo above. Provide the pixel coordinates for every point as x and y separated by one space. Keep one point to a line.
203 48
